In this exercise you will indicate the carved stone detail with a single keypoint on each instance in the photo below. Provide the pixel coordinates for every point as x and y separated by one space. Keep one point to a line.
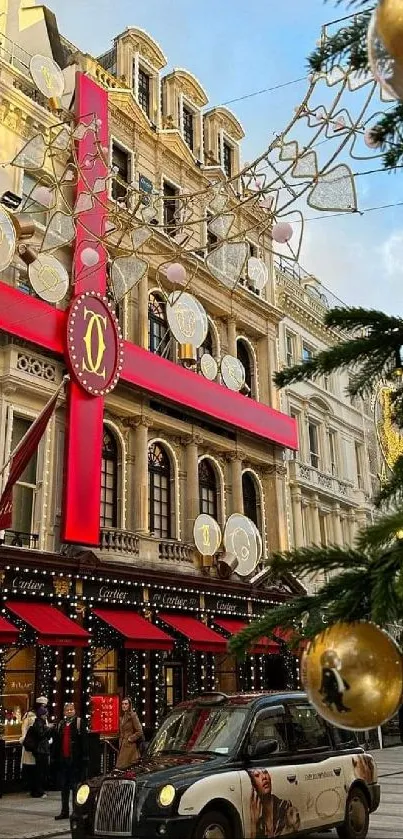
36 367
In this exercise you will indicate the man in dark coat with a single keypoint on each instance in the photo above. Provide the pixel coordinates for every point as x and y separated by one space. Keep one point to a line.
333 686
71 754
42 732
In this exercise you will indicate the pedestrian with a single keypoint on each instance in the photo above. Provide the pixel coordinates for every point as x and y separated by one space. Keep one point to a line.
71 754
41 733
131 736
27 756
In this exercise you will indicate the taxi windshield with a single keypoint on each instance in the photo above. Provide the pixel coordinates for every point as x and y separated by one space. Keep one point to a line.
199 729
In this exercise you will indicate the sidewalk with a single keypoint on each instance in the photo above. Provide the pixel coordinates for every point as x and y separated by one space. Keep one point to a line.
23 817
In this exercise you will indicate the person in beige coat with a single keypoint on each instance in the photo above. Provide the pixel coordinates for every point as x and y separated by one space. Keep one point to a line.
27 758
131 733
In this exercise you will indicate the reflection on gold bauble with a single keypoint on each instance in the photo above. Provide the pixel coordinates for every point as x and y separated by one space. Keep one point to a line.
353 675
389 24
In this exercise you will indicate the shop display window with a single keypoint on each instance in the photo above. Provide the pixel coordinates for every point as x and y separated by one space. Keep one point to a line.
226 673
19 689
105 671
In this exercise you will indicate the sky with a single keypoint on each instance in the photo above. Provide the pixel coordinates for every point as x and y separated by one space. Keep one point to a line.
240 47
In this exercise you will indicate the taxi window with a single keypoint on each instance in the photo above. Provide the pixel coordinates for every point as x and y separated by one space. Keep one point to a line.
270 727
309 730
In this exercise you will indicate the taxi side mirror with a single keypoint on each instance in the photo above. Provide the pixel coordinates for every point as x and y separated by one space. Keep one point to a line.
263 748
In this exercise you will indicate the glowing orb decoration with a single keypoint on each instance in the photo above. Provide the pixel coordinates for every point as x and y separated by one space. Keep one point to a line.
282 232
387 70
47 76
353 675
176 273
89 257
370 140
7 240
49 278
389 22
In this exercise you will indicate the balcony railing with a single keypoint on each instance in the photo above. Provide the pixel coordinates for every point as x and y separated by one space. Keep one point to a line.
305 287
304 473
19 539
119 541
169 549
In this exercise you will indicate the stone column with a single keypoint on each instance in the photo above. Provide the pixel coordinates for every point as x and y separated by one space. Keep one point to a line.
141 517
192 501
338 531
263 372
274 393
235 459
142 313
274 477
232 336
298 528
316 538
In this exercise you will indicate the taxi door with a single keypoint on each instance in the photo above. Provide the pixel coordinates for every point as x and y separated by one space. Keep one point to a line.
319 768
269 782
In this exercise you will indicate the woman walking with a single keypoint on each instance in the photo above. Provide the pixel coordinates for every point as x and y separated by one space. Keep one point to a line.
42 733
131 734
27 757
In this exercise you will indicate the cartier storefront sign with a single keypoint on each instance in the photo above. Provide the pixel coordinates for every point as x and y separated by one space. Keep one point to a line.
226 605
19 583
112 592
174 600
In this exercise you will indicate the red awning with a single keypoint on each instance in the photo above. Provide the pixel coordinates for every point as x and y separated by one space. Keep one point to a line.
264 646
54 629
139 633
202 639
8 632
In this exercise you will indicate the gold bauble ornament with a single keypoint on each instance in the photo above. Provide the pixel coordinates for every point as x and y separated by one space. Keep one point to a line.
389 24
353 675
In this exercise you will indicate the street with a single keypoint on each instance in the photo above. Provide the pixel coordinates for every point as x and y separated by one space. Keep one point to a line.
23 818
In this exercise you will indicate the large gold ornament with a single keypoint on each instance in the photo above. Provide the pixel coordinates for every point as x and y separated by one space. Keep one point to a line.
389 22
353 675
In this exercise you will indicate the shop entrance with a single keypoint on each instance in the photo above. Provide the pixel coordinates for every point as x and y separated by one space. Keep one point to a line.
174 684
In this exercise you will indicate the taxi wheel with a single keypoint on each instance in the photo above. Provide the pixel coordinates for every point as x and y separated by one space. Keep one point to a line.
356 821
213 825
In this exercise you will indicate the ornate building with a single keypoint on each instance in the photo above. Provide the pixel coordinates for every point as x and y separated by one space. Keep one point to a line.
334 474
156 612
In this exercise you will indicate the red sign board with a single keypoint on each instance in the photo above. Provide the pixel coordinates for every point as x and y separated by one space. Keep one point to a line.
94 343
105 714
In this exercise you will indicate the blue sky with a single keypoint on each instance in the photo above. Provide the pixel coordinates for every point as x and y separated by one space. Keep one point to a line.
236 47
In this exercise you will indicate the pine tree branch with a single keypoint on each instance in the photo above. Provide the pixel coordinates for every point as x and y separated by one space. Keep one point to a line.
313 560
353 318
386 604
348 47
381 534
392 489
284 616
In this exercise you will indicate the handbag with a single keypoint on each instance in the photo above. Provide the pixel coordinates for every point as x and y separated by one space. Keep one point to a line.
30 741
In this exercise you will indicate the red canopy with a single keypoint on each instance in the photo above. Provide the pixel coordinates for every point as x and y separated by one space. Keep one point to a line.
202 639
8 632
265 646
139 633
54 629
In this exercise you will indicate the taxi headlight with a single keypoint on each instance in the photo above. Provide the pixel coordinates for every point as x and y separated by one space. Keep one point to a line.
82 794
166 795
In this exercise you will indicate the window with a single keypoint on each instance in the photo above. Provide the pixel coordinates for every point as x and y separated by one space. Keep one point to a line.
105 671
249 497
323 529
313 434
206 347
24 490
212 239
332 451
121 168
308 729
307 353
293 454
227 159
243 354
158 331
159 477
289 349
144 91
19 688
170 207
208 492
109 481
188 127
327 382
359 465
270 727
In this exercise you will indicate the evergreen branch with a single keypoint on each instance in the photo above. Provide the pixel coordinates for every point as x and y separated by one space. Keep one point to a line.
392 489
388 133
347 46
346 596
285 616
385 599
313 560
381 534
352 318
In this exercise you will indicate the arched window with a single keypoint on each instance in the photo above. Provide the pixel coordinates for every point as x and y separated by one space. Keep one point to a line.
109 481
244 356
159 479
158 331
208 489
250 500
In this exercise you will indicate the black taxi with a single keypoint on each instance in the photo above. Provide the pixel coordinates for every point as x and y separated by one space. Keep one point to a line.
236 767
